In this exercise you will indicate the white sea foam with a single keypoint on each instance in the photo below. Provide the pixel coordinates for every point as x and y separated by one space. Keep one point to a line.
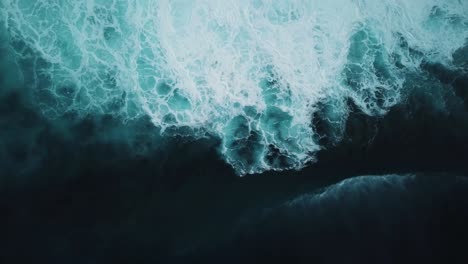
250 72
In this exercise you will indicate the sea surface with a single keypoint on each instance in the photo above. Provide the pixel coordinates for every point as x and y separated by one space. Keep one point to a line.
248 131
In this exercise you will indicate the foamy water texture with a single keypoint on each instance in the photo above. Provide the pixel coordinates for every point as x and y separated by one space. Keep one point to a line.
250 72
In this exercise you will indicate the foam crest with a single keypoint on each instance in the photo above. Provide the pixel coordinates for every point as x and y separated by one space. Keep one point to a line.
250 72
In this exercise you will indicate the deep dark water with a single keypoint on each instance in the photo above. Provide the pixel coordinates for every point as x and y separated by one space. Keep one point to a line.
71 191
74 197
385 219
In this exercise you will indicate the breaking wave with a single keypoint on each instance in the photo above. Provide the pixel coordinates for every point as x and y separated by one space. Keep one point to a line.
251 72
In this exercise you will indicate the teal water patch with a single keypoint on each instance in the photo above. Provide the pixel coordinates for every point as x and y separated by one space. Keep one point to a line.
370 74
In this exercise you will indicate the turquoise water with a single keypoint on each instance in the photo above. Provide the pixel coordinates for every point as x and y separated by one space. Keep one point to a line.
250 73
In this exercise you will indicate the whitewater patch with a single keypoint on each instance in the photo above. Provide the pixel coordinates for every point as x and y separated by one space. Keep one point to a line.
250 72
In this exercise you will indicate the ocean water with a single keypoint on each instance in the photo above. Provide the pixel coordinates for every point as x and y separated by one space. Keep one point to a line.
250 73
192 130
367 219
